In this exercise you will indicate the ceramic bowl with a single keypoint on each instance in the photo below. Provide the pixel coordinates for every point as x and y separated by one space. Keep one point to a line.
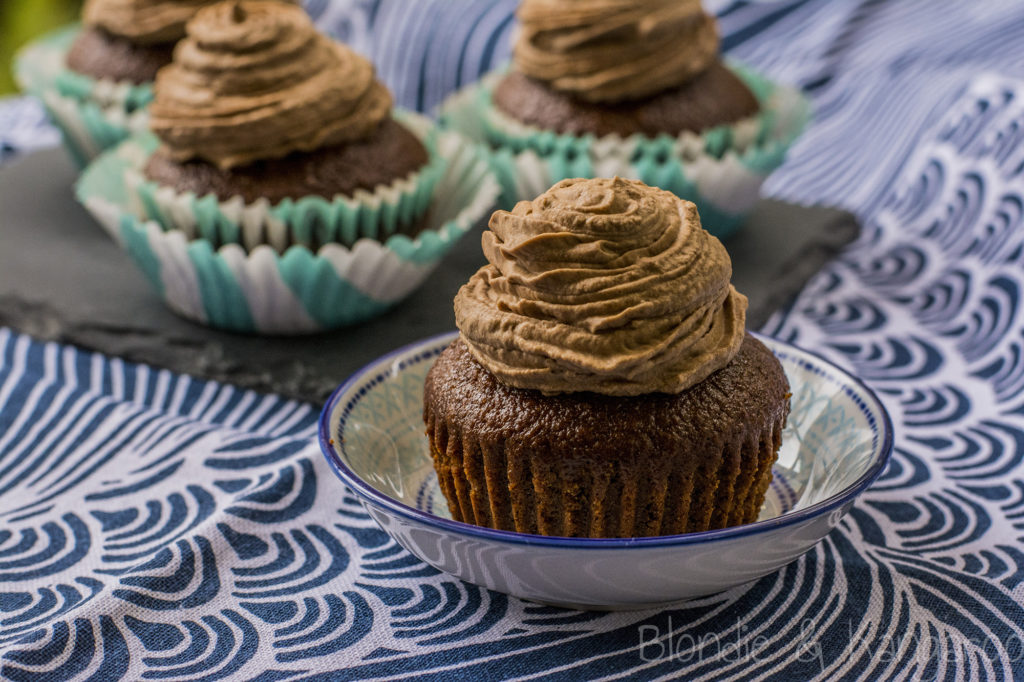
837 441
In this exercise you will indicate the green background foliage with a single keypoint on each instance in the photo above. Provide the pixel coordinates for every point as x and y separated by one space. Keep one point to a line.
22 20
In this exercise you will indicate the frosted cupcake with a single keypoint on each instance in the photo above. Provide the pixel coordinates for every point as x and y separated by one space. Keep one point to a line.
275 149
129 40
637 89
96 79
258 105
603 384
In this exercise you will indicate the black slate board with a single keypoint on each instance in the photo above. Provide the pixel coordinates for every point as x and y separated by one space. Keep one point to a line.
63 279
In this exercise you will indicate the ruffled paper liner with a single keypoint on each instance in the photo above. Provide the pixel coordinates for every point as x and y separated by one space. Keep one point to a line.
93 114
299 291
721 169
307 221
536 492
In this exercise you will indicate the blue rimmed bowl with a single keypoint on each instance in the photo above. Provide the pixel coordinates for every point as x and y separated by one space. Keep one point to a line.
837 441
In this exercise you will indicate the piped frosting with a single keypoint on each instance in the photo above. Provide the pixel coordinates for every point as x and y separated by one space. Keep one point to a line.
145 22
614 50
255 80
603 285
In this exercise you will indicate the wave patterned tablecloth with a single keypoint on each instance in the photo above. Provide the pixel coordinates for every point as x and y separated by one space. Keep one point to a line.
157 527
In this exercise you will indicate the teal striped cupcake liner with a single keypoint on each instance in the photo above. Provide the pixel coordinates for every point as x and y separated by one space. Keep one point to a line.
721 169
93 114
308 221
262 290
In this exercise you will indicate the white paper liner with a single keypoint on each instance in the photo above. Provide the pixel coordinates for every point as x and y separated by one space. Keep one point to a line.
369 277
259 221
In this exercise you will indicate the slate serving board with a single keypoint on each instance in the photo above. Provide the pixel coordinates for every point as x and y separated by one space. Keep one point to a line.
63 279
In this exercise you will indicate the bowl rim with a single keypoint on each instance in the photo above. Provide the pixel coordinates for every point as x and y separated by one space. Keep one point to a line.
374 496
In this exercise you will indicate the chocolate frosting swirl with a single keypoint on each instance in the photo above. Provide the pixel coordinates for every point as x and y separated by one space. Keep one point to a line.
614 50
602 285
255 80
144 22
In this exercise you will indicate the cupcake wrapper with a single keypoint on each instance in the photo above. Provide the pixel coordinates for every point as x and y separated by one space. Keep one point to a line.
309 221
299 291
721 169
93 114
535 493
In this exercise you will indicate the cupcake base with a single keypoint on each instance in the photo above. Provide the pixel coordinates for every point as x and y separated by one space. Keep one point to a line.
261 280
721 169
588 465
715 97
103 56
93 114
392 152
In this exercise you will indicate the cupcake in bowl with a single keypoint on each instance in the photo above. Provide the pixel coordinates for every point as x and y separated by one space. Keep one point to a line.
277 190
635 89
603 383
96 79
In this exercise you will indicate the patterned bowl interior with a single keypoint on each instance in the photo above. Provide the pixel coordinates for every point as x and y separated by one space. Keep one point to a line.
836 436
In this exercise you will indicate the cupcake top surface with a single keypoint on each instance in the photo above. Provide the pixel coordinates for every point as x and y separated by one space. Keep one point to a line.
603 285
255 80
614 50
145 22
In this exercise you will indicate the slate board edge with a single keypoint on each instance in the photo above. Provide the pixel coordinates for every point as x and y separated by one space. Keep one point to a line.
187 351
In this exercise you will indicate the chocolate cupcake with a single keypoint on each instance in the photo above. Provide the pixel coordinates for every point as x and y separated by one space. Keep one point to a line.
129 40
278 191
621 68
260 109
603 384
96 80
629 88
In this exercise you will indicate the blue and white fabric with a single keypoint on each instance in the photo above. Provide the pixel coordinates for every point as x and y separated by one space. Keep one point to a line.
157 527
23 127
